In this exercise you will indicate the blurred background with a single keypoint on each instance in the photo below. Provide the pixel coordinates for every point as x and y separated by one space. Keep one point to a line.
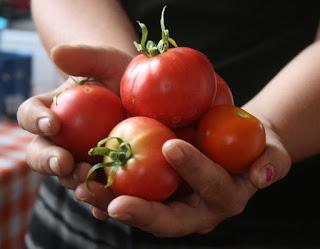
25 67
25 70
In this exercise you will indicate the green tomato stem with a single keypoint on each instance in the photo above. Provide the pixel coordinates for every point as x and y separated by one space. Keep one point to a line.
82 81
149 49
56 96
118 156
242 114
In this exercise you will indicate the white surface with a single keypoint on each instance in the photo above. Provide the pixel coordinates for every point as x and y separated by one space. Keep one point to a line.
45 77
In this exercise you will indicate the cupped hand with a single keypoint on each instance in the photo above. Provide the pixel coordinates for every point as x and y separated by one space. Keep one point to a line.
216 195
106 65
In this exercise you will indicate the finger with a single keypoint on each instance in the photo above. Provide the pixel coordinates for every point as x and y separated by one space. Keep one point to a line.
46 158
35 116
172 220
273 165
227 194
77 177
97 62
217 195
98 213
100 198
194 167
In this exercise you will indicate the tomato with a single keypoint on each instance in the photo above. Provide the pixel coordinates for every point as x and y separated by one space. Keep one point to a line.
224 95
176 87
187 133
231 137
141 170
87 114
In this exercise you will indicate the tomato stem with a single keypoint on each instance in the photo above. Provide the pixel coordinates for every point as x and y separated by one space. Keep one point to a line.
77 82
56 96
118 156
82 81
242 114
142 47
149 48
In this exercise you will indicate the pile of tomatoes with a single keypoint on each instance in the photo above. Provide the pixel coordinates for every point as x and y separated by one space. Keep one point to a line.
165 93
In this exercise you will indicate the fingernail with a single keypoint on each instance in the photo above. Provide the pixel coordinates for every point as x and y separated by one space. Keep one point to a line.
120 217
266 175
99 214
93 211
173 152
44 125
54 166
77 196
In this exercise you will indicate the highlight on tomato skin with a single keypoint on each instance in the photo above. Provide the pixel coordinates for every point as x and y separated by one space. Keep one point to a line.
231 137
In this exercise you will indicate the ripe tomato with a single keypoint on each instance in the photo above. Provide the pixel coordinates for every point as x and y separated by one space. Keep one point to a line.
231 137
87 114
141 170
175 87
224 95
187 133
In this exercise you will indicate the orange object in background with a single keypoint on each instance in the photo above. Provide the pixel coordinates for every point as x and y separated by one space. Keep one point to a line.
19 186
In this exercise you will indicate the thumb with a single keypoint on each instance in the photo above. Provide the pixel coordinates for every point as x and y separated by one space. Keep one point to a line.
105 64
194 167
273 165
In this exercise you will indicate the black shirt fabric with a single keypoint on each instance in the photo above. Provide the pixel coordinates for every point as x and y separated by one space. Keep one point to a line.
248 42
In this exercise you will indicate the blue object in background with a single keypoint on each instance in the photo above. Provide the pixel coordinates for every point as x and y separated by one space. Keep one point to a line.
15 86
3 25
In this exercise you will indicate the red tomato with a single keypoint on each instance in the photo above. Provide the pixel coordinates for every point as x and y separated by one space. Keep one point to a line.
87 114
187 133
145 173
224 94
231 137
175 87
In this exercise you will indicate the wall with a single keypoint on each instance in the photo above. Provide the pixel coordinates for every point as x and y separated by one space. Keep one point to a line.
45 76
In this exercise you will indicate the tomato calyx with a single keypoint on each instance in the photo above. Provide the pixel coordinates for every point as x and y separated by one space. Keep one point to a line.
56 96
149 48
118 156
242 114
79 83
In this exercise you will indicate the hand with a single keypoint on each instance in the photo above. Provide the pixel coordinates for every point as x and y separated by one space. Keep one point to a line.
217 195
34 115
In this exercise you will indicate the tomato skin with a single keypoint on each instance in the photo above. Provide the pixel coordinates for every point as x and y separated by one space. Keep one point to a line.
187 133
224 95
147 174
176 87
87 114
229 139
